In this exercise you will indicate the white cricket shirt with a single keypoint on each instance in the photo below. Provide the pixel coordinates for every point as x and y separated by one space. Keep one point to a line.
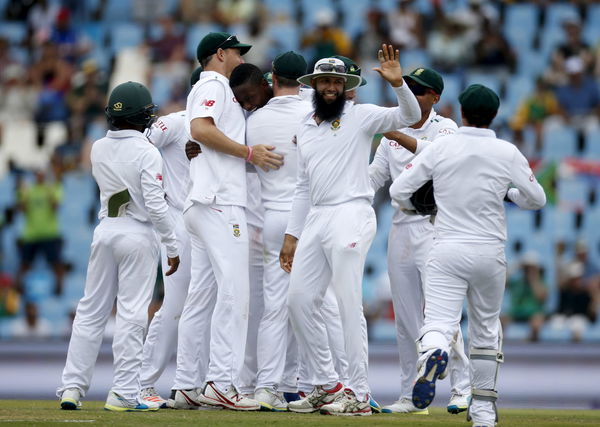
471 172
255 211
126 160
333 157
391 157
216 177
169 135
277 124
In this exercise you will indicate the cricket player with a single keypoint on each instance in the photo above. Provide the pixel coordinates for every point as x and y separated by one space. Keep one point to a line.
215 217
472 172
169 135
124 255
335 224
409 243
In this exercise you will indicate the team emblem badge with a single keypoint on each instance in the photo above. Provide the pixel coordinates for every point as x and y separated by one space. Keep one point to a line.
118 106
335 125
418 72
236 230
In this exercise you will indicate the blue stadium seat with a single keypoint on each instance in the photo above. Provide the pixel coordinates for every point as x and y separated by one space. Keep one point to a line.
280 7
520 25
549 40
557 12
558 224
414 58
517 331
452 88
573 193
126 34
95 32
517 89
7 190
591 148
161 89
311 10
194 34
519 223
15 32
286 37
489 80
118 10
558 143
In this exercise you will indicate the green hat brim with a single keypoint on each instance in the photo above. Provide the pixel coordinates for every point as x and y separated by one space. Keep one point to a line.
244 48
421 82
352 81
363 82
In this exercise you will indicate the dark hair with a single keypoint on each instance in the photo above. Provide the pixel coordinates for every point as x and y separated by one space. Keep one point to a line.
285 82
245 73
204 61
479 117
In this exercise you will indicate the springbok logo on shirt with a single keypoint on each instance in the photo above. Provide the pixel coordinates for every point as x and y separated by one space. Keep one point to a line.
236 230
335 125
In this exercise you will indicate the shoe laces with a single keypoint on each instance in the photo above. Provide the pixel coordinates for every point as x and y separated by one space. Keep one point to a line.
149 392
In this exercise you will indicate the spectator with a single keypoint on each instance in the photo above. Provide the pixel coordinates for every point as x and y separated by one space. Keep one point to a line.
18 10
261 43
493 53
326 39
31 326
40 20
86 99
574 306
579 98
406 26
574 47
449 45
6 58
591 275
195 11
18 99
171 38
9 298
71 46
528 294
39 203
232 12
533 111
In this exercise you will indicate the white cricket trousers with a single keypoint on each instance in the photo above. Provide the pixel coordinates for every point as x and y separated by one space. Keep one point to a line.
215 313
409 245
477 272
161 341
255 310
332 249
122 266
276 344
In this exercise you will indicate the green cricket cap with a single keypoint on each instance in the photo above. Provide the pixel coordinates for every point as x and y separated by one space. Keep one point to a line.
351 67
479 97
221 40
290 65
428 78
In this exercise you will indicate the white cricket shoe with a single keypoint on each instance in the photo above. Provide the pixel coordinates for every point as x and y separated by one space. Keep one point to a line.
270 400
316 399
116 402
434 366
347 404
70 399
188 399
149 394
229 399
404 406
458 403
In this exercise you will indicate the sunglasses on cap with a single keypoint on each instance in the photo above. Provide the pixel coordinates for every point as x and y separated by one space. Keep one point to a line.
228 39
417 89
331 68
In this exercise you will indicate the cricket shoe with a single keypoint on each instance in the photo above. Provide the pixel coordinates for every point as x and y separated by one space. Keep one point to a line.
271 400
375 406
434 367
314 400
347 404
404 406
291 397
70 399
149 394
458 403
116 402
188 399
229 399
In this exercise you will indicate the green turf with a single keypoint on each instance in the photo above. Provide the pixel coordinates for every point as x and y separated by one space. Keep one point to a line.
45 412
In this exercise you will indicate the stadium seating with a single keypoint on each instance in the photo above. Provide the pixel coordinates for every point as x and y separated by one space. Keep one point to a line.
559 142
591 148
14 32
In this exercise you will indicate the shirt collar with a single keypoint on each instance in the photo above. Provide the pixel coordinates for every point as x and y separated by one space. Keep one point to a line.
213 75
125 133
481 132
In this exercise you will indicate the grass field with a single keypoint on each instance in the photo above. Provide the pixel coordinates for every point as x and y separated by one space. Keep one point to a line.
46 413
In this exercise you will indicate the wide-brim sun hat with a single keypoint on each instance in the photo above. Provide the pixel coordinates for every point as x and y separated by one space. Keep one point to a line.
331 67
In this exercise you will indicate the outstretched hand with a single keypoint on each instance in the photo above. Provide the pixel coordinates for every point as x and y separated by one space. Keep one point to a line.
389 65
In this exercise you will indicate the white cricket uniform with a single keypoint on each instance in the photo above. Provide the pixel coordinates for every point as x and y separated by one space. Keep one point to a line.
277 124
169 135
123 261
255 217
471 173
214 215
335 223
409 243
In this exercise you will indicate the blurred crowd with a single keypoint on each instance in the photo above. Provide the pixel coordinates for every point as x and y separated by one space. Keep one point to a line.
59 59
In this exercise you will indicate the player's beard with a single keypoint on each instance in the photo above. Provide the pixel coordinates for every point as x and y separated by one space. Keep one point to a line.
328 112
